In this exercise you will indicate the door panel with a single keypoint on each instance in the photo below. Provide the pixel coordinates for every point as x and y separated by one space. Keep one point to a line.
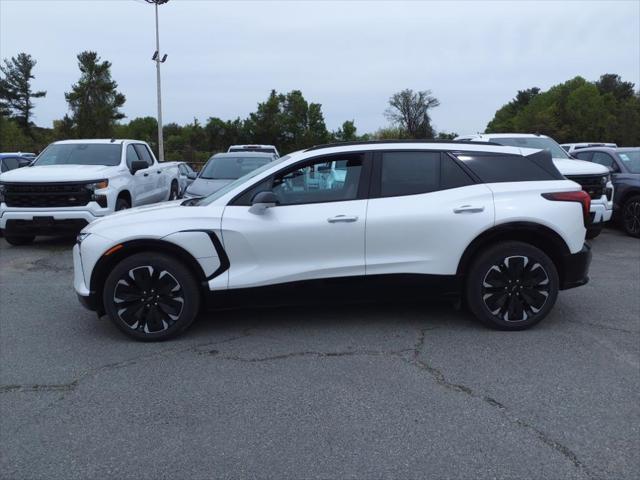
425 233
294 242
142 184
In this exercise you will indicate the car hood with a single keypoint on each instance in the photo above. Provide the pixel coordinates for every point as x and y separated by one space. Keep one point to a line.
156 221
568 166
201 187
57 173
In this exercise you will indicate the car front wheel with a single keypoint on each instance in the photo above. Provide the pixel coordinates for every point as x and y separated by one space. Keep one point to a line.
151 297
512 286
631 216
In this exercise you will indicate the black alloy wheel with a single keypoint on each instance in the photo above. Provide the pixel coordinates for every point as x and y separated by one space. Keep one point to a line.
515 289
631 216
151 296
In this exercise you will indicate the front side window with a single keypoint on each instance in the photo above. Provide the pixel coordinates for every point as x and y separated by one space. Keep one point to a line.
631 160
409 173
143 153
132 156
231 168
328 179
81 154
603 159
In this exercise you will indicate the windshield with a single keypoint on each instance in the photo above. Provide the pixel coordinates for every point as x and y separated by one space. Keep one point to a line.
229 187
230 168
542 143
81 154
631 160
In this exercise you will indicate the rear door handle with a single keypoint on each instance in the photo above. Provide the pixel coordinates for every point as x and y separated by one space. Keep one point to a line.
159 171
468 209
342 218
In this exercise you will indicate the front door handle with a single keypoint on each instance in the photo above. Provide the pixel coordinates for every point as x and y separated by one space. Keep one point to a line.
159 171
342 218
468 209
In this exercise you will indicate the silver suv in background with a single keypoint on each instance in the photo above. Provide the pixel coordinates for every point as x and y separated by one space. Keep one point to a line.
594 179
254 148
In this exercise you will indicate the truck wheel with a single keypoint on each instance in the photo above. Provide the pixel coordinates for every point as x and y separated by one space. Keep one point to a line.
150 296
512 286
174 193
18 240
122 204
593 232
631 216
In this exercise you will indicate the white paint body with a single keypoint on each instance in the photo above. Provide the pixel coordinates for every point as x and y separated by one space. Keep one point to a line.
150 185
424 233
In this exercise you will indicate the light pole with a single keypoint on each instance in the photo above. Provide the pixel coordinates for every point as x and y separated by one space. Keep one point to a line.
159 59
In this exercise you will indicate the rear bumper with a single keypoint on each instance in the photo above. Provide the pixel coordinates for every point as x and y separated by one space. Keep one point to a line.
576 268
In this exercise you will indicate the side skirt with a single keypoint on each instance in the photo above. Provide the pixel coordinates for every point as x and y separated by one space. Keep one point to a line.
374 288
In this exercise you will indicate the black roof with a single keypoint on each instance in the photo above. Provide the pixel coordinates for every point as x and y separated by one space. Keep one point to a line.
377 142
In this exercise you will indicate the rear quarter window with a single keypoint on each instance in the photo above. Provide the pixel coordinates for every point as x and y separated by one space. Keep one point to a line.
497 167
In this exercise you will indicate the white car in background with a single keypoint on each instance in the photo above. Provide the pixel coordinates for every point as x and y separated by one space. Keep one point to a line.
572 147
254 148
74 182
498 226
594 179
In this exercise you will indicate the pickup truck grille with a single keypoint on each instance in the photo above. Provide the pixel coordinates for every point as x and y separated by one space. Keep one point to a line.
592 184
46 195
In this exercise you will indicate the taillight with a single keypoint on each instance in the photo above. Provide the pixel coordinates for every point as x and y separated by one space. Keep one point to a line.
580 196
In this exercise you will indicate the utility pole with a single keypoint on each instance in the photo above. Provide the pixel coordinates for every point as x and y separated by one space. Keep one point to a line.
159 59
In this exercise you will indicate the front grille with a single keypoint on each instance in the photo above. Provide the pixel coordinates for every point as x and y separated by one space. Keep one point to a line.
46 195
592 184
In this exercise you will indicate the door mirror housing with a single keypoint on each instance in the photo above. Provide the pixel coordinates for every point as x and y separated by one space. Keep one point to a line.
261 201
138 165
614 168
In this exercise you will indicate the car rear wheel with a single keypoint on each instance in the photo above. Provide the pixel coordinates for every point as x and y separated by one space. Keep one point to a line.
150 296
631 216
512 286
18 240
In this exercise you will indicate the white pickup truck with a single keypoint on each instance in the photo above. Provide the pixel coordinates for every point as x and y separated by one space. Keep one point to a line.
73 182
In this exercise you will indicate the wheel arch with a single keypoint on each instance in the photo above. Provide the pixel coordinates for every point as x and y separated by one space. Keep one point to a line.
629 192
540 236
108 261
126 195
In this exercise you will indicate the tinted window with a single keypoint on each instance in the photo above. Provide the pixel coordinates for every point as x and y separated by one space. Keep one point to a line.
81 154
143 153
257 150
495 167
603 159
231 168
132 156
409 173
452 175
631 160
10 163
583 155
182 169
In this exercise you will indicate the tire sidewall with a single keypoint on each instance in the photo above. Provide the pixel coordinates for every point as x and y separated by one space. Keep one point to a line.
182 275
494 256
122 204
627 204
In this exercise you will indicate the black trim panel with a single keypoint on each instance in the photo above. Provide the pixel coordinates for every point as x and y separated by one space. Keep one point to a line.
217 245
576 268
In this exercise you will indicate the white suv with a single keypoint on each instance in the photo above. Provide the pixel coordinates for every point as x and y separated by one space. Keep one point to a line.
595 181
499 226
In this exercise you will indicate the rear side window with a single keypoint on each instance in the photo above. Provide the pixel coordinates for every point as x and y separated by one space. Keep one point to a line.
496 167
409 173
452 175
583 155
143 153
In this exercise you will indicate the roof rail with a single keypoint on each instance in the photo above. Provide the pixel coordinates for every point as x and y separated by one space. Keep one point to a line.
377 142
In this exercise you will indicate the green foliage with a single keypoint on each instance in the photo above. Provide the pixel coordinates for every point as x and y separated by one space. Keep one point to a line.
94 100
446 135
347 133
576 110
409 111
15 90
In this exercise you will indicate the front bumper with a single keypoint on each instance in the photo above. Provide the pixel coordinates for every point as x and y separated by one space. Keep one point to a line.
47 221
575 272
86 297
600 212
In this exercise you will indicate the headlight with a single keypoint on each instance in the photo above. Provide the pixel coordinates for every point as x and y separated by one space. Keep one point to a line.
81 236
98 185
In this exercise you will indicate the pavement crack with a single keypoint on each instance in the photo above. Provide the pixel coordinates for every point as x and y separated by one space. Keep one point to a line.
61 387
603 327
307 353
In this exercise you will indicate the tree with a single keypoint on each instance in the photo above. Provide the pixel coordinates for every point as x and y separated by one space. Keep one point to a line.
409 111
612 83
15 90
94 100
503 119
446 136
346 133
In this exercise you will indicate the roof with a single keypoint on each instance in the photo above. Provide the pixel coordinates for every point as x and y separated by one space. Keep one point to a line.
252 145
244 154
604 149
387 142
99 141
484 137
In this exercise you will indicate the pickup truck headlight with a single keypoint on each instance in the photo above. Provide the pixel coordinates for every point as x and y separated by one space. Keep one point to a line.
98 185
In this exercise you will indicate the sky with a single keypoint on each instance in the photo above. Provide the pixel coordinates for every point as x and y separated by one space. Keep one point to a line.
350 56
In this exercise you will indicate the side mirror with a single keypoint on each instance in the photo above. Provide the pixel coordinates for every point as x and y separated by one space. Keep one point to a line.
613 169
192 175
138 165
261 201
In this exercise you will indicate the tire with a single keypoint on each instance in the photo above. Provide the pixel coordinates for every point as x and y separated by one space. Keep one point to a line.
593 232
131 302
494 289
18 240
630 218
174 192
122 204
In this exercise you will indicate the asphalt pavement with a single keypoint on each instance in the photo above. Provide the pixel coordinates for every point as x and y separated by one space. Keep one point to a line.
362 391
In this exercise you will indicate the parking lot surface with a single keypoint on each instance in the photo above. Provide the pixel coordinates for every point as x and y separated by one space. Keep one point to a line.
360 391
